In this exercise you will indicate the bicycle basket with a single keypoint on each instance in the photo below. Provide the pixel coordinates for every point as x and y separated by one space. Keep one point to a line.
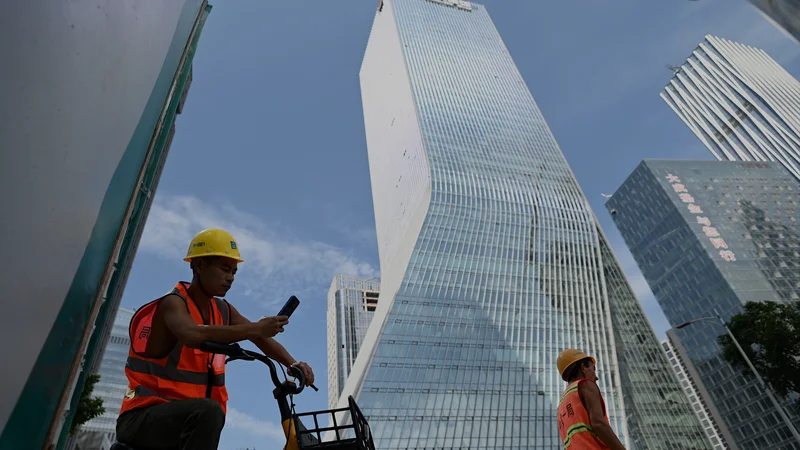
349 431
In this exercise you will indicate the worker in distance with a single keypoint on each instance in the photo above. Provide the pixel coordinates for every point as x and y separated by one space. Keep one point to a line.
582 418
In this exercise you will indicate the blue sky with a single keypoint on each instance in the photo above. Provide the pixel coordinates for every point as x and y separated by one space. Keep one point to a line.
271 146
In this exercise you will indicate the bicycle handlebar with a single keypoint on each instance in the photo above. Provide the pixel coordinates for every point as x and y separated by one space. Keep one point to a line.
220 348
234 352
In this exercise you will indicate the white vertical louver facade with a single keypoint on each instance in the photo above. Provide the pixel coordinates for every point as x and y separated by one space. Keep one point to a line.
698 403
741 103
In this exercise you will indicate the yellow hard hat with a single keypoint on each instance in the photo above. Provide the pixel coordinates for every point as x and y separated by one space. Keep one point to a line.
568 357
213 242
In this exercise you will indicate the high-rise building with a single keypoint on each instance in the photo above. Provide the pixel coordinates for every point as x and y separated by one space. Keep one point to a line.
710 236
696 393
351 305
491 259
784 14
741 103
110 119
113 382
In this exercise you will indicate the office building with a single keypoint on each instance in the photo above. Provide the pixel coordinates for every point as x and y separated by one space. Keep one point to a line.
491 259
784 14
693 387
710 236
741 103
91 441
110 116
113 382
351 305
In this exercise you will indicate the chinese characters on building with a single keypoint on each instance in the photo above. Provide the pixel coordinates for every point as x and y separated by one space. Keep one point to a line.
710 232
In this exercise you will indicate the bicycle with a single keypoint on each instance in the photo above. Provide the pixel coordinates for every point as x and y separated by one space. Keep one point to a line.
298 437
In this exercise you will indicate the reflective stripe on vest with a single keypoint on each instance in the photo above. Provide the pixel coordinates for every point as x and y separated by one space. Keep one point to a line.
185 372
171 372
574 425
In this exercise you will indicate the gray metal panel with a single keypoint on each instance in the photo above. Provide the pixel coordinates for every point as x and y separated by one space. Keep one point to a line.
73 89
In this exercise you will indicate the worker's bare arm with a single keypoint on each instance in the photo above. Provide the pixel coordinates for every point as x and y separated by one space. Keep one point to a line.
180 323
271 347
590 396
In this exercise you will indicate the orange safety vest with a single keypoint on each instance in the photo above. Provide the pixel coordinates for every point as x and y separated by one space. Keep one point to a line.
574 425
185 372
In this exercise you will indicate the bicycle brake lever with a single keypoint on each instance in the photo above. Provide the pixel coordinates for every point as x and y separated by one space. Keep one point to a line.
300 372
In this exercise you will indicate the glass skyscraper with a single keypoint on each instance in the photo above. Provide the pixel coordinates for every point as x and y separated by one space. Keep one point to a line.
491 258
741 103
710 236
351 305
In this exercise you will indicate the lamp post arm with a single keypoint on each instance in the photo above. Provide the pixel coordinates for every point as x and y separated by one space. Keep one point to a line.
777 405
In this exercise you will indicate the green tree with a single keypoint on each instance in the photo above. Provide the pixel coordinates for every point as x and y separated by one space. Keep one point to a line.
88 407
769 334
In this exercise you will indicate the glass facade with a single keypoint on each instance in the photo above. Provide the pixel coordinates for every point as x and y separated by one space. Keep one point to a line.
709 237
740 102
491 259
658 413
351 305
113 382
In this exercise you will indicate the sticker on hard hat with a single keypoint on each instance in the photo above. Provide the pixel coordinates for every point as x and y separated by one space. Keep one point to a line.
233 245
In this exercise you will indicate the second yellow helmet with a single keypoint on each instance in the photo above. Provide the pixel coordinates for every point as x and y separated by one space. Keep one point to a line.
213 242
569 357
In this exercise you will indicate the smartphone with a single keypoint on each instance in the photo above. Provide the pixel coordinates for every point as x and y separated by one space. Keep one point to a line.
289 307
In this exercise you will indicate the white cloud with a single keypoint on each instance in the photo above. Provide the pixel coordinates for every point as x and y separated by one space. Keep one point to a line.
364 237
249 424
276 262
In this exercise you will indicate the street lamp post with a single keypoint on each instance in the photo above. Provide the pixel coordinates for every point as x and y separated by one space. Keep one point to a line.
777 405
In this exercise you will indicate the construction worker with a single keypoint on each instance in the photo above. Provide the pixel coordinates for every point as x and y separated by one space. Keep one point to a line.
582 419
176 396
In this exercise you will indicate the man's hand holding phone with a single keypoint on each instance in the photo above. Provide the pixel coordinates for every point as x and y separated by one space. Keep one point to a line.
279 321
268 327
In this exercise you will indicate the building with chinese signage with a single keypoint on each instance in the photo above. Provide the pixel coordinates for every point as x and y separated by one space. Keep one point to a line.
710 236
740 102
